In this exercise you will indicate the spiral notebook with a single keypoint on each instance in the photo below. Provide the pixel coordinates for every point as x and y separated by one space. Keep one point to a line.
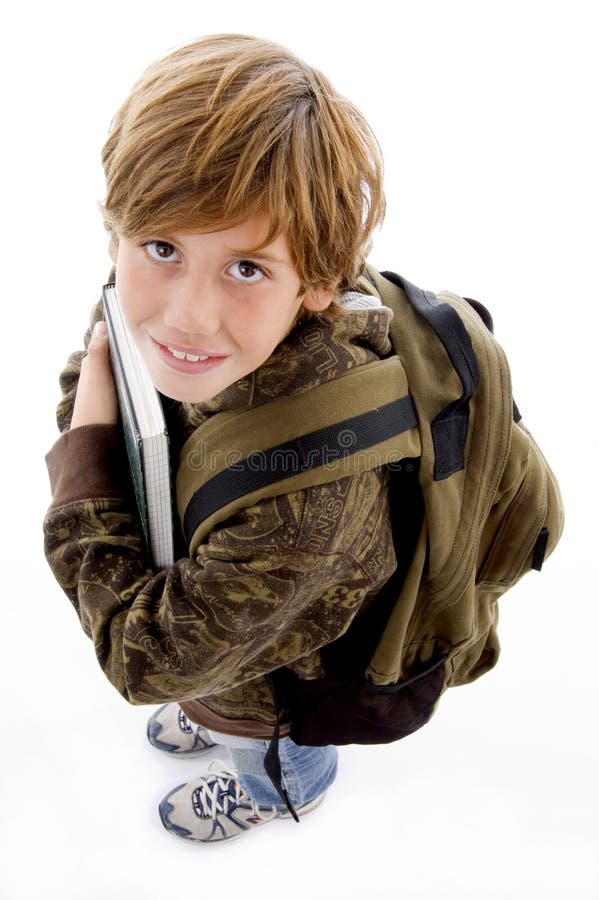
146 436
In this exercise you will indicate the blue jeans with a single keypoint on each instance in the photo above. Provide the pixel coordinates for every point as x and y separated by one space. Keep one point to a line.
307 771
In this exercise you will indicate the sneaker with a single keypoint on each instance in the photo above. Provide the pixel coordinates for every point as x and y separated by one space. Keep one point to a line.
215 808
170 730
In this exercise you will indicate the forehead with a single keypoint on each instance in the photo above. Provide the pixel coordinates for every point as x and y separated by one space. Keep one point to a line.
253 235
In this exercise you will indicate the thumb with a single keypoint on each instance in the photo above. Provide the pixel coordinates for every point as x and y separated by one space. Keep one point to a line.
98 343
95 400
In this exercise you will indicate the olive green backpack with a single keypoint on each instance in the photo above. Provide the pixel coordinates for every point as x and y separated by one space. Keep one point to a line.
474 507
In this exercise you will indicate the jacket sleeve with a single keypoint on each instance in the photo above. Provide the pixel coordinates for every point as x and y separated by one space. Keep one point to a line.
282 579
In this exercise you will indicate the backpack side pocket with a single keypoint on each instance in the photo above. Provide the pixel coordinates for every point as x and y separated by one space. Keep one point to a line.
526 521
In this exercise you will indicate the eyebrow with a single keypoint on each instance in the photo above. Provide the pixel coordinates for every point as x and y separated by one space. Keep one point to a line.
258 255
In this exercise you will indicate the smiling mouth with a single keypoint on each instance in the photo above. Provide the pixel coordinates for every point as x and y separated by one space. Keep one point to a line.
190 357
190 361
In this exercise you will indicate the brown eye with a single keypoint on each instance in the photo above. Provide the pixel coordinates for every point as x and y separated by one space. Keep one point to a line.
245 270
162 250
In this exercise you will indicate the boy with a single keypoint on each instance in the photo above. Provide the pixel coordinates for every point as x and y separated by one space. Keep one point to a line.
242 191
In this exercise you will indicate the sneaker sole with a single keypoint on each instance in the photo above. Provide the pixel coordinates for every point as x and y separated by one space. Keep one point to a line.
183 754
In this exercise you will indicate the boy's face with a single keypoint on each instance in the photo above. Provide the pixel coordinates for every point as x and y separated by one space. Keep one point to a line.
203 309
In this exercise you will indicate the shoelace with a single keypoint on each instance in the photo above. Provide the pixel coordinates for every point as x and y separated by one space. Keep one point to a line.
187 727
184 723
221 792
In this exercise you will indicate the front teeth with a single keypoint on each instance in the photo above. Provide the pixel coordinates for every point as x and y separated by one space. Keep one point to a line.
191 357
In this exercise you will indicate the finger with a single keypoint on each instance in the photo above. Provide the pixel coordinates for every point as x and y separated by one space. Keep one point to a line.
98 343
95 400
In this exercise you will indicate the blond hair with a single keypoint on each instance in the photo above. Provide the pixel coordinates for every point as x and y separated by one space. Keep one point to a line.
230 126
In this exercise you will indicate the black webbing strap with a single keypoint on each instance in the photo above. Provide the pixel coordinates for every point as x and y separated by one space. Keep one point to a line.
540 549
272 760
308 451
517 415
450 428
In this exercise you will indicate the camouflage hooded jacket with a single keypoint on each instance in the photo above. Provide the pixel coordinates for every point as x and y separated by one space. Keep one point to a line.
269 587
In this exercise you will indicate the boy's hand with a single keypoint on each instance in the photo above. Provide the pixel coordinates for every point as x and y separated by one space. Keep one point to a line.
96 401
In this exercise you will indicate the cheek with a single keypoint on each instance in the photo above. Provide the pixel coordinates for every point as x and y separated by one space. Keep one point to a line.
136 295
264 330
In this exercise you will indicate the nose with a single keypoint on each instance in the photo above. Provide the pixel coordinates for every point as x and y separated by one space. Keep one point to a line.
193 306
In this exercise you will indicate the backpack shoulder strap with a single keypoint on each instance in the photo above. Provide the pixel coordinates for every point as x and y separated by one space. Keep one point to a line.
361 420
449 428
440 583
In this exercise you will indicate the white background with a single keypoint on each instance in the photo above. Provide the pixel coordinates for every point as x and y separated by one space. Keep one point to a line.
487 115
